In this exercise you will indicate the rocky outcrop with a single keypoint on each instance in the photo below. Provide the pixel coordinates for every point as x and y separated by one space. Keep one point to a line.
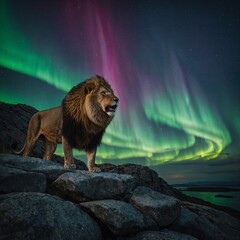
149 178
102 206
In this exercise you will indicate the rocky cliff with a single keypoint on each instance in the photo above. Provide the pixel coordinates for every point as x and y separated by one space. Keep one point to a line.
41 200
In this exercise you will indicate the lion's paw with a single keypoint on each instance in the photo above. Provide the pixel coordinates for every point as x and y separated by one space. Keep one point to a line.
95 169
70 166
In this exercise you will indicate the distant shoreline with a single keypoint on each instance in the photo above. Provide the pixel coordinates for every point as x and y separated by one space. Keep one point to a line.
210 189
223 196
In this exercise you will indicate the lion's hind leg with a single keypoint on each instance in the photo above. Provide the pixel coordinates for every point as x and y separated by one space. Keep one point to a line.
33 134
49 148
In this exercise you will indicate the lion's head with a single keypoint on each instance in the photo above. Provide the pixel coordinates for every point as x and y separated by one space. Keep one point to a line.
93 99
100 103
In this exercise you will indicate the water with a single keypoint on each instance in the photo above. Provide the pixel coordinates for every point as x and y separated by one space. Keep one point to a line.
233 201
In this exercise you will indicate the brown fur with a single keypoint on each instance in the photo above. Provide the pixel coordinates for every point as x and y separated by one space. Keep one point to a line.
79 123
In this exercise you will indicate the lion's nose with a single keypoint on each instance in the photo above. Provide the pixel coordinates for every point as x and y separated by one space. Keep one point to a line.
116 99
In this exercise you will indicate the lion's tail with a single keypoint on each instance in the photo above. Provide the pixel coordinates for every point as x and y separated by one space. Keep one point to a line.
31 138
17 152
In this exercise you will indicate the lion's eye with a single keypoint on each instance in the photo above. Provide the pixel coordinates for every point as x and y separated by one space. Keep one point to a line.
104 94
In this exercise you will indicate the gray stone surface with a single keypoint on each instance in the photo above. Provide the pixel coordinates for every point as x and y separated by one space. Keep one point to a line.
27 163
144 176
42 216
14 120
12 163
161 208
83 186
120 217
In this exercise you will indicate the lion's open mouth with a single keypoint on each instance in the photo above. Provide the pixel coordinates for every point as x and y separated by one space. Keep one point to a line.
110 110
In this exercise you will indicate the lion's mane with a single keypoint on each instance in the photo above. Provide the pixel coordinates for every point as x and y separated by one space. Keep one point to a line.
84 122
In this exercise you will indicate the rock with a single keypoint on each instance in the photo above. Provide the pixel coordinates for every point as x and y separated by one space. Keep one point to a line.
121 218
207 223
14 120
28 163
6 169
42 216
52 174
161 235
80 165
50 169
22 182
83 186
161 208
143 175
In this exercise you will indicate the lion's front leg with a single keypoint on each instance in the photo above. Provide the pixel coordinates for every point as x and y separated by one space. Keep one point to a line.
91 161
68 155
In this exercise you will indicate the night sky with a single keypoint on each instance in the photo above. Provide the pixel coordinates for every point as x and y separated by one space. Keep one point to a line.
175 66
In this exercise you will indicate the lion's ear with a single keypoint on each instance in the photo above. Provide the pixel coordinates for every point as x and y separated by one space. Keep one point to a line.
89 87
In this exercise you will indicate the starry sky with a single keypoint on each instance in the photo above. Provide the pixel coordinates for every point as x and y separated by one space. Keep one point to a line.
175 66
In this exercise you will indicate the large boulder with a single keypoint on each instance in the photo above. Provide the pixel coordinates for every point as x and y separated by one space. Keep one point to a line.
161 235
207 223
121 218
161 208
83 186
42 216
14 120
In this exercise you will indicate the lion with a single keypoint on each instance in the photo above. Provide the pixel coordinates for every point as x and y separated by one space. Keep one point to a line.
79 122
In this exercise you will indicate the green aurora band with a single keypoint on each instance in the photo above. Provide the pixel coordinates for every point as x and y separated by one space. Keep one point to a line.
18 54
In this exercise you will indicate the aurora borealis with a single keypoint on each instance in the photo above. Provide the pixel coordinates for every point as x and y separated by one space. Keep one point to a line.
174 65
